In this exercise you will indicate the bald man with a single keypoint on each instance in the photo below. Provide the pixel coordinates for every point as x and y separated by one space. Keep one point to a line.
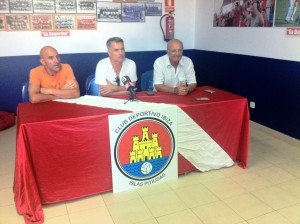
52 80
173 72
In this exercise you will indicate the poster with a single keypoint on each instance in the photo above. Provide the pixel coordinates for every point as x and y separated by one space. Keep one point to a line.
86 22
143 148
17 6
2 23
109 12
65 6
41 22
64 22
17 22
287 13
133 12
4 6
86 6
243 13
43 6
153 9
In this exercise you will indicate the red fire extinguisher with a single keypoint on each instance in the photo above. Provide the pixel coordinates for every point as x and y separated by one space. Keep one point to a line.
169 34
169 27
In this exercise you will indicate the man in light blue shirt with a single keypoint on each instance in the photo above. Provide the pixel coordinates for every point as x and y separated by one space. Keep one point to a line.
173 72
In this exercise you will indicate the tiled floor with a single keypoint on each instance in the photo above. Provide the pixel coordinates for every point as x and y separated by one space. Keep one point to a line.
268 191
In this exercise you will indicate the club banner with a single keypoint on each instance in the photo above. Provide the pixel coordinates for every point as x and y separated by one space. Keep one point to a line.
143 148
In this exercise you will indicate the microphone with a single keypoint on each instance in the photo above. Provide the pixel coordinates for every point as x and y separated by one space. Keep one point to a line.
129 86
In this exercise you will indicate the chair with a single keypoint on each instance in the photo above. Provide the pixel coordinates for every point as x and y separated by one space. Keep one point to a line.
147 80
91 87
25 94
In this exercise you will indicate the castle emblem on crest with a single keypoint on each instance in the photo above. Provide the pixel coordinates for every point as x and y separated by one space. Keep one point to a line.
145 149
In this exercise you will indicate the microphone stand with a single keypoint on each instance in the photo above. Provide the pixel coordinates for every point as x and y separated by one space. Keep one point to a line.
131 98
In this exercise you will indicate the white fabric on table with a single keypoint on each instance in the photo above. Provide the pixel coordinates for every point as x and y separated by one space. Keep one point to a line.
193 142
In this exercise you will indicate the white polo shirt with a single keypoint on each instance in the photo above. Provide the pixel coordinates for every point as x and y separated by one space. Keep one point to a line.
105 71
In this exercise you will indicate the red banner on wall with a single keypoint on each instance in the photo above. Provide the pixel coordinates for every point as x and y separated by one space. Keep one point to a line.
65 33
293 31
169 5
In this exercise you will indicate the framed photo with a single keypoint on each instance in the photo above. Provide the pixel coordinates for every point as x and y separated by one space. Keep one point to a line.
286 15
133 12
65 6
153 9
109 12
44 6
24 6
64 22
41 22
239 13
125 0
17 22
86 22
86 6
2 23
4 6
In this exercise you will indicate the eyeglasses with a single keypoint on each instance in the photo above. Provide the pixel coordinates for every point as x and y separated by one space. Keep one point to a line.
117 80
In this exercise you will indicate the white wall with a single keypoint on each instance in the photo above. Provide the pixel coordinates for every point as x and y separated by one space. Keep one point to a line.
265 42
185 12
137 36
193 25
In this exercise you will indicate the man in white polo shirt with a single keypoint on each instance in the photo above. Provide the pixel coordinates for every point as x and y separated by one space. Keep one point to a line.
109 71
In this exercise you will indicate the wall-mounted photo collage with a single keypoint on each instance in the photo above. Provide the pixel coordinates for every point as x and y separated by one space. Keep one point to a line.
37 15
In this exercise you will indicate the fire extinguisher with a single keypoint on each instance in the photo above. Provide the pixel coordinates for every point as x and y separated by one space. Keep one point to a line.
169 34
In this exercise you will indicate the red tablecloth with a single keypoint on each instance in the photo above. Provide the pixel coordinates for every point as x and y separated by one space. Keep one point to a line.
63 150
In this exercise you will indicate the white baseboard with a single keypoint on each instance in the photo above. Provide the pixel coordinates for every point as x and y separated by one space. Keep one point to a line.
292 141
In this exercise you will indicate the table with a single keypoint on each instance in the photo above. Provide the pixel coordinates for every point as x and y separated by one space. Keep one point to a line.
63 149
